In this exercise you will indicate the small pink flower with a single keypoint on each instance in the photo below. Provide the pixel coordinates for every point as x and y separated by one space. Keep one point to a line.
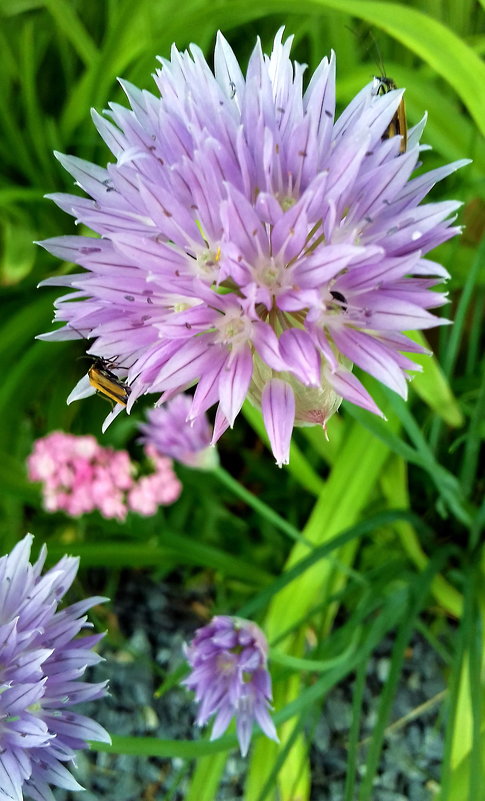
80 476
152 491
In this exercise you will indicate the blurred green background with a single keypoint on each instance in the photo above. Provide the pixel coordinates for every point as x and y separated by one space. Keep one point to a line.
370 569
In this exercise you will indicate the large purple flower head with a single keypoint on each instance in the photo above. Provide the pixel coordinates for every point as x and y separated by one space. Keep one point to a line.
229 675
252 244
41 662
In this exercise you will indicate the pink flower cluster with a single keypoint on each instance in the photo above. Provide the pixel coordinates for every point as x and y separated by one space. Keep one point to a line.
78 476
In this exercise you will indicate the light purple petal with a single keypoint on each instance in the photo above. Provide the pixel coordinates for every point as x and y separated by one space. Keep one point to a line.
278 405
10 778
368 354
350 388
300 356
53 772
234 383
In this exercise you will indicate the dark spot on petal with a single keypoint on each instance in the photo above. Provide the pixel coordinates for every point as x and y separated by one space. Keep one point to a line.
368 219
145 318
340 298
129 297
87 250
149 300
370 153
188 326
302 153
328 113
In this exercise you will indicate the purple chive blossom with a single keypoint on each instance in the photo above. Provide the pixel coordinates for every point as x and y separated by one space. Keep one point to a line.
252 244
169 433
229 675
41 660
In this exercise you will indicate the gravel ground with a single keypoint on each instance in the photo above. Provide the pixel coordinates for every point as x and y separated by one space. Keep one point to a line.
156 623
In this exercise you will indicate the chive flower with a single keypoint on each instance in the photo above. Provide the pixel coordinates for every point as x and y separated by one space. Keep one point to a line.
41 663
229 675
251 244
169 432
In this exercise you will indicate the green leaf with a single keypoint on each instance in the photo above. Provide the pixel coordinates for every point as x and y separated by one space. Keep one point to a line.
432 385
168 749
176 549
73 29
206 778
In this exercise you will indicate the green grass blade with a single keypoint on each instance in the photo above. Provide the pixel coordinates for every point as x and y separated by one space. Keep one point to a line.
458 738
432 385
168 749
457 332
176 549
394 485
206 778
473 441
73 29
418 591
352 748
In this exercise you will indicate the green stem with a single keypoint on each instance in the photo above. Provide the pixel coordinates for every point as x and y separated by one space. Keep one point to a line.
472 443
260 506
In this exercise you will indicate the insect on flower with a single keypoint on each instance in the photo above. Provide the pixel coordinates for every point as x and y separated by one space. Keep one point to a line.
106 382
398 125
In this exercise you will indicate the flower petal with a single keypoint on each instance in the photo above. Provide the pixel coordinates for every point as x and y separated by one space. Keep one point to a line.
234 382
278 405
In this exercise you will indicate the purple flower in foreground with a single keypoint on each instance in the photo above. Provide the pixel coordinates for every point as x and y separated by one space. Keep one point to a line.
251 244
230 678
168 431
41 660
